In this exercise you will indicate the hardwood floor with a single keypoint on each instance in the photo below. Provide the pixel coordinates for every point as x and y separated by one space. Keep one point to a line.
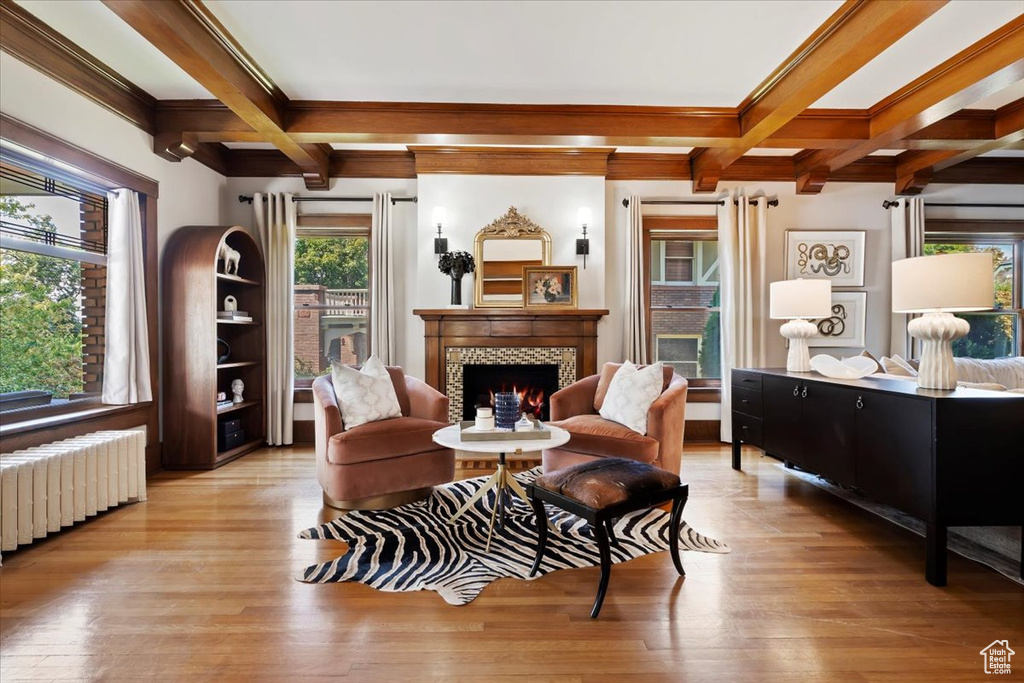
197 584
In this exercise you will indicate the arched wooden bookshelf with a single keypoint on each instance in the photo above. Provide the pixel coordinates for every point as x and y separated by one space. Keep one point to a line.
194 288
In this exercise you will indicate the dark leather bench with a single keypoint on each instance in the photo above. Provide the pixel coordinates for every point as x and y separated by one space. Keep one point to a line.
600 492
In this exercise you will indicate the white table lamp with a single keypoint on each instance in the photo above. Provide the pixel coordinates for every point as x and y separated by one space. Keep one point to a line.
939 286
798 300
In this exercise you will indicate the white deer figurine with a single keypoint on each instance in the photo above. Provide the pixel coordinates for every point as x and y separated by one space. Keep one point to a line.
230 258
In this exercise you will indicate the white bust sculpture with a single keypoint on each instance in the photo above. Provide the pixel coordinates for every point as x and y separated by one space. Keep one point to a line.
237 387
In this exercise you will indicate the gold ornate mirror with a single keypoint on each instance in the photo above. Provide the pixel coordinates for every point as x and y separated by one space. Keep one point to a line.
501 250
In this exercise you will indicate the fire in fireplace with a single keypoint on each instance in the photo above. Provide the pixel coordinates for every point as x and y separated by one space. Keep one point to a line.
534 384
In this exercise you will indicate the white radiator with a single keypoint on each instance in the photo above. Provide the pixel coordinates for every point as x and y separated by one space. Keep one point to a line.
45 488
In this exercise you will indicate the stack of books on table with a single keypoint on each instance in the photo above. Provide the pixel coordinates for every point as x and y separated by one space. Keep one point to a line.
237 316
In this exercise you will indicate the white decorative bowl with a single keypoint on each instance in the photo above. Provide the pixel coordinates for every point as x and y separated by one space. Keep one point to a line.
848 368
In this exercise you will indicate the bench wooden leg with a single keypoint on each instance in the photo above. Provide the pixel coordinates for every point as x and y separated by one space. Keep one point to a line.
606 567
673 532
542 533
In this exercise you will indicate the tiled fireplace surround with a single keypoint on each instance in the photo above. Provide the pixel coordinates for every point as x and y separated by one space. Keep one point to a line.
455 338
456 359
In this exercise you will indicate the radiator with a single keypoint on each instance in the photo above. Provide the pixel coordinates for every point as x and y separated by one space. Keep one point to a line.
46 488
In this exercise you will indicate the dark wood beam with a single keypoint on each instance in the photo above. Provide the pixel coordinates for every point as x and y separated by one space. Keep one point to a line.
29 40
856 33
192 38
990 65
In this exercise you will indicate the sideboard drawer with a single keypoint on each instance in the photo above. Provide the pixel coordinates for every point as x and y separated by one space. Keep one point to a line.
746 380
747 401
746 429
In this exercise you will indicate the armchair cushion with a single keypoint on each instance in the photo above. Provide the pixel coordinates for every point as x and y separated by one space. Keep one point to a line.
605 380
365 395
594 435
382 440
631 394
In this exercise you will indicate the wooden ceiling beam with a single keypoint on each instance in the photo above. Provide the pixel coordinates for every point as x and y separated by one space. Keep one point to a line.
192 38
990 65
856 33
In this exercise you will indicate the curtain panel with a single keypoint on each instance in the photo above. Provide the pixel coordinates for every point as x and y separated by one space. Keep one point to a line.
742 233
634 344
275 221
382 281
126 364
907 242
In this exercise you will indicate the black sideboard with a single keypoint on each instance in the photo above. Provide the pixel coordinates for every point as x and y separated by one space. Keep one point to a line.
950 458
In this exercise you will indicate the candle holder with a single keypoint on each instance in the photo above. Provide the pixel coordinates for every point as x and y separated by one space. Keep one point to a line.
506 409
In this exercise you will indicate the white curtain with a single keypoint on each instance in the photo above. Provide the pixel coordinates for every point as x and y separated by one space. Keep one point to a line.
742 231
907 242
634 344
126 342
275 222
382 281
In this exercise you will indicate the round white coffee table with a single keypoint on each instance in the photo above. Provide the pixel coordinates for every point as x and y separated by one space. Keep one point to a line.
501 480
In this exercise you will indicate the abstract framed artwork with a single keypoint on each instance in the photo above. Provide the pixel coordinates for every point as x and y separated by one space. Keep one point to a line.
845 327
836 255
550 287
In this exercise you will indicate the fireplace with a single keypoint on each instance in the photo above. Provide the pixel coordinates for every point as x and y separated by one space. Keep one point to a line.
533 382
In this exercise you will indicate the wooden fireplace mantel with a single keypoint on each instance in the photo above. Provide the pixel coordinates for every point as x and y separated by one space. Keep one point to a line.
450 328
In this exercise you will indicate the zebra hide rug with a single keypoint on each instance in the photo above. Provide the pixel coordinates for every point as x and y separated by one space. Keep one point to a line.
413 547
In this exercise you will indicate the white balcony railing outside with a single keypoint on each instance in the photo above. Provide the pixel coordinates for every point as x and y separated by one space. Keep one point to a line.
354 303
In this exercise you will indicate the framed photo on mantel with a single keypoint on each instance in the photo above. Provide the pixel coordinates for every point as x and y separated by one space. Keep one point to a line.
836 255
550 287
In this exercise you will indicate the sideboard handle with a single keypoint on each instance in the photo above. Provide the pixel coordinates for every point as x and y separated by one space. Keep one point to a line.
796 390
860 402
803 394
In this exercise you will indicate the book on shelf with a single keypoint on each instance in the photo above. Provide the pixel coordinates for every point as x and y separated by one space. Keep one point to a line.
233 315
221 405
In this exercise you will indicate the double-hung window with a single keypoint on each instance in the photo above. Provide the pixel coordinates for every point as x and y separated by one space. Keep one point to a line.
332 295
996 332
683 296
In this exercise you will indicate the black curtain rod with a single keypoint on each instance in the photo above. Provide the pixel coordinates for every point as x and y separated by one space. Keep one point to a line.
679 202
247 199
889 203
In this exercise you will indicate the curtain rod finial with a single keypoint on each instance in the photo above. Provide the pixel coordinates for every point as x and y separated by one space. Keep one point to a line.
243 199
625 202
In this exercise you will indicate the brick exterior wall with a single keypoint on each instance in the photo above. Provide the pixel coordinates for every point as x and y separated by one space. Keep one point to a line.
94 301
307 330
689 321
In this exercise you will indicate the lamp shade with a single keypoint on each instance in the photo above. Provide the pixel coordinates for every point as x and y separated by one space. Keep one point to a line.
438 215
801 299
946 282
584 217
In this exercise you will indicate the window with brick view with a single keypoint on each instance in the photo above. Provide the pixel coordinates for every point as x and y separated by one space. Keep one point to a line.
331 298
683 302
52 290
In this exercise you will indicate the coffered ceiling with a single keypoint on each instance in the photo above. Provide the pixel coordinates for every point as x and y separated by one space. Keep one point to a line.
813 90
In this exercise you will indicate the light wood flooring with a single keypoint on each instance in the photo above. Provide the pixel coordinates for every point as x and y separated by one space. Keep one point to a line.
197 584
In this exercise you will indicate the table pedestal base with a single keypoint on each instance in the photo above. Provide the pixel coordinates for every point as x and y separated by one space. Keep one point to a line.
505 485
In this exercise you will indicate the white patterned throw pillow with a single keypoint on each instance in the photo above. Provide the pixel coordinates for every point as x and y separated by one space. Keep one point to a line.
365 395
631 393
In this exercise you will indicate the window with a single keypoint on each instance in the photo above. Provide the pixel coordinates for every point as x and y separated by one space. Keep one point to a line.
52 290
994 333
332 302
683 300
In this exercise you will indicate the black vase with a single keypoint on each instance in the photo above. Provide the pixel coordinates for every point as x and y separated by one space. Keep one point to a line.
457 289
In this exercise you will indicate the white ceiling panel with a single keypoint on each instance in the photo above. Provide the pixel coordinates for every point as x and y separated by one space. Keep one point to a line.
1005 153
771 152
248 145
956 26
106 37
614 52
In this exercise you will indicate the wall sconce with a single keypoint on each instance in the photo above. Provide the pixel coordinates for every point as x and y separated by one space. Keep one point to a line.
583 245
440 243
